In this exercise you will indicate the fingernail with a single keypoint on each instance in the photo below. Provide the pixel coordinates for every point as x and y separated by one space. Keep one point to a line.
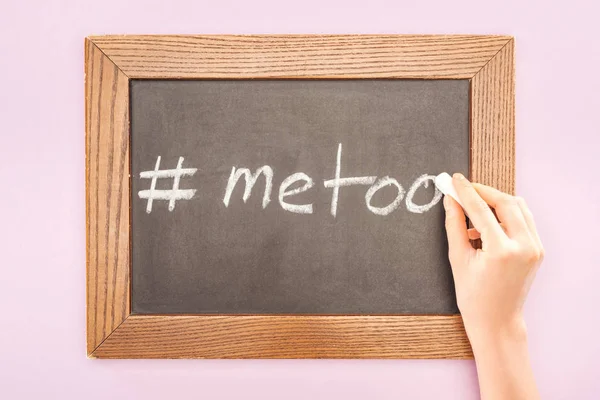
458 176
446 202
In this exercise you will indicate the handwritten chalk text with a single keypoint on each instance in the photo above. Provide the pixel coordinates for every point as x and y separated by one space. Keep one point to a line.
301 183
374 185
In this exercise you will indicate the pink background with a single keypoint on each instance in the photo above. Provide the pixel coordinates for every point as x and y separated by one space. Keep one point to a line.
42 214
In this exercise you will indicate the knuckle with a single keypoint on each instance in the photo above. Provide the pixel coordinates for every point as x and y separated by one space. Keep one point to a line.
513 252
479 204
510 255
526 212
524 207
541 254
509 201
531 254
521 201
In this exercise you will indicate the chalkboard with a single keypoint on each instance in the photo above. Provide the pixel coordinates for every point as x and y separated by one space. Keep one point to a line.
293 196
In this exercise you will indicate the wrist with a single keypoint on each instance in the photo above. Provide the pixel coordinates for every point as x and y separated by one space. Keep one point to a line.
482 335
502 358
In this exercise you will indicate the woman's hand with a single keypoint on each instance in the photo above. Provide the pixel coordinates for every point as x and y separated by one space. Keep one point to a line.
492 283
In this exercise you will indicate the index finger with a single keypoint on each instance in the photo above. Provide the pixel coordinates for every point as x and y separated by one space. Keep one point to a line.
507 208
479 212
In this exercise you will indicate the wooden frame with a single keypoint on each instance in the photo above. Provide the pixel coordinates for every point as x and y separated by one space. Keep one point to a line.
111 61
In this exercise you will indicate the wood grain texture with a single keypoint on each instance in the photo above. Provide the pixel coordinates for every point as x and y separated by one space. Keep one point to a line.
110 61
107 195
263 336
493 122
300 56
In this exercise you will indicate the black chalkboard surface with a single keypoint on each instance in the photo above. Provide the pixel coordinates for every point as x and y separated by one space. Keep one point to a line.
198 247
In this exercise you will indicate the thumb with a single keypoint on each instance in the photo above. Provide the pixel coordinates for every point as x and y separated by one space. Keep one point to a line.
459 246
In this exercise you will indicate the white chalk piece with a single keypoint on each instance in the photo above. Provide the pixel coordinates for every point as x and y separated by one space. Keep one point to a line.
444 182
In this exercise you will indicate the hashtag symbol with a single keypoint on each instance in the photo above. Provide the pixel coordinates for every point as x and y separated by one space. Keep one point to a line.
172 195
